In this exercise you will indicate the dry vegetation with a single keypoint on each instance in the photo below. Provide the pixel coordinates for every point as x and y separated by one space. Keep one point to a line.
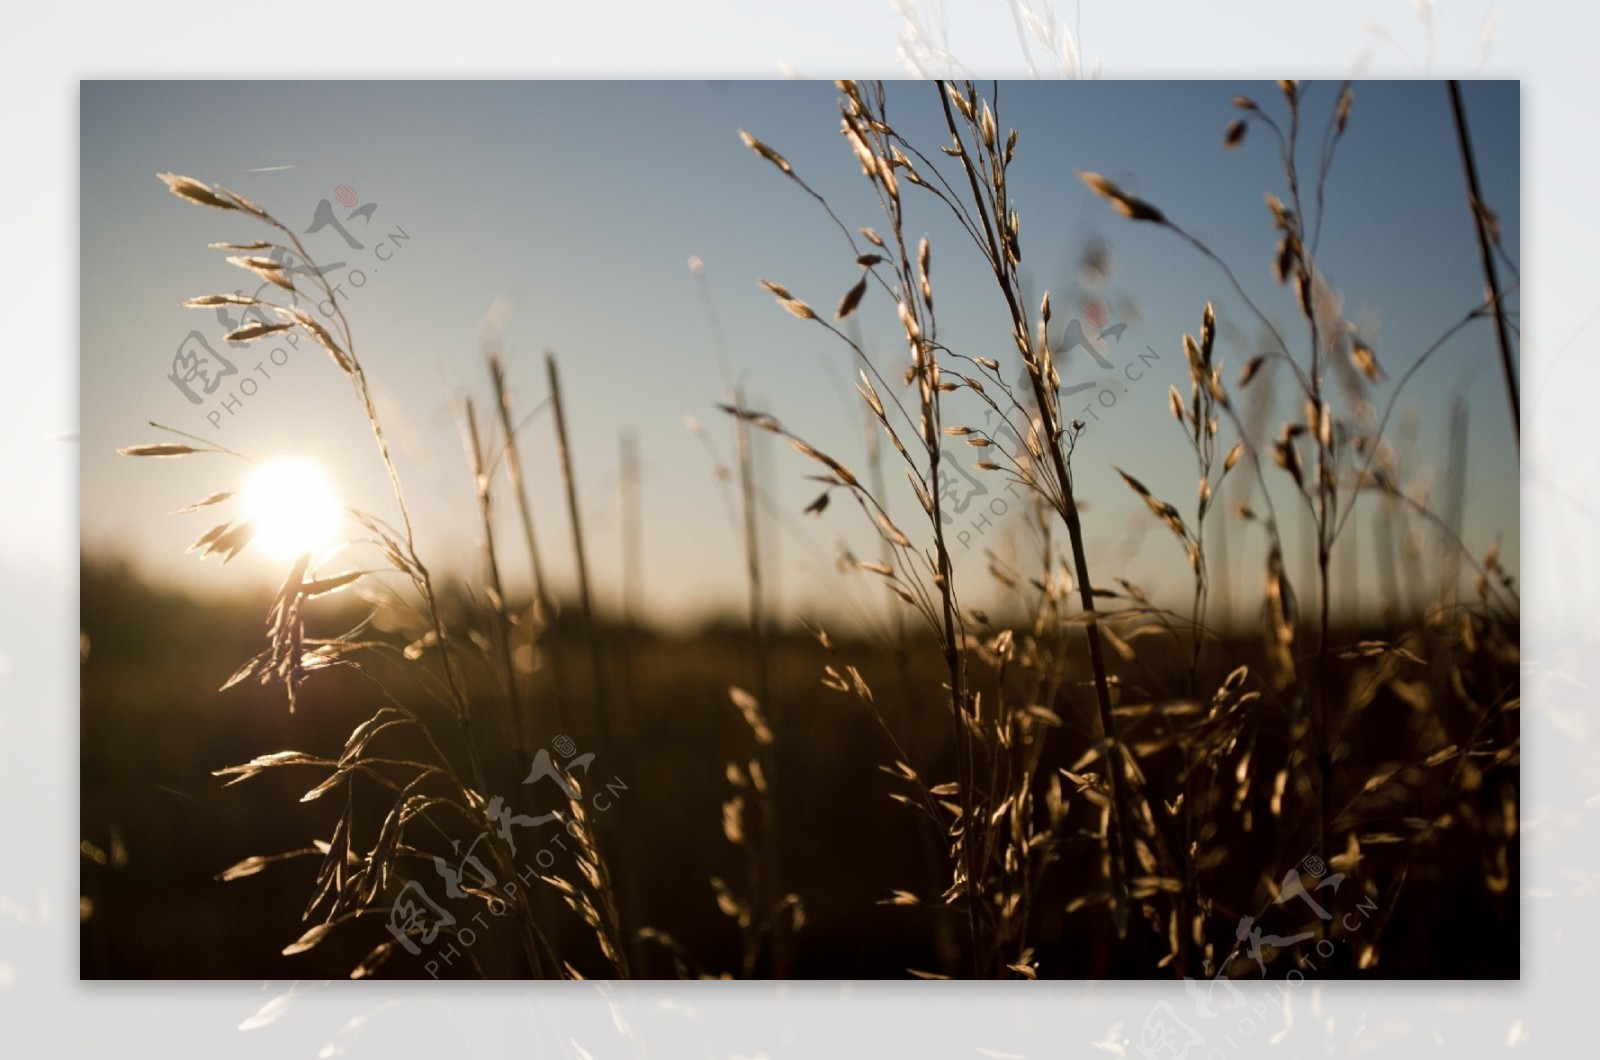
1096 784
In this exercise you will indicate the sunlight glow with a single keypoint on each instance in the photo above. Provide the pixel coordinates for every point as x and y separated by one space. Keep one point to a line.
293 506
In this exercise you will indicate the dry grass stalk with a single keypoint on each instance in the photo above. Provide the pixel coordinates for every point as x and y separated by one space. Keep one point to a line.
542 612
1486 226
632 561
585 598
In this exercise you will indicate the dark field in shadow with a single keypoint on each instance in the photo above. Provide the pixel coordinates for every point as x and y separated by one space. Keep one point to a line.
159 827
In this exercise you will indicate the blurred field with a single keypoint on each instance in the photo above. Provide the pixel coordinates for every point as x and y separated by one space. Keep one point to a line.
158 827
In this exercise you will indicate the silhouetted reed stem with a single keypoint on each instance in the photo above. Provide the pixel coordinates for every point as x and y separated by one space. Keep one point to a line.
770 893
502 623
632 560
1491 277
541 586
585 599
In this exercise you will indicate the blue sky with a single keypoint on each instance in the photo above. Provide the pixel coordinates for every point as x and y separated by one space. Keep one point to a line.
581 203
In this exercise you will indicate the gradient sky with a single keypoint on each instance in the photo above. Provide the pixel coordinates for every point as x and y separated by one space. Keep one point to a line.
581 203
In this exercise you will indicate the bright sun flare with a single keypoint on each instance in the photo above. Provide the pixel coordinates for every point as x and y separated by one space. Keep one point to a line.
293 506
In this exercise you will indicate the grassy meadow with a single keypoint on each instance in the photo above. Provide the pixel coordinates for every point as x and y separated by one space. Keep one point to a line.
420 766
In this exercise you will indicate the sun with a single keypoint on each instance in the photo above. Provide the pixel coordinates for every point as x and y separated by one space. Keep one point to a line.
292 506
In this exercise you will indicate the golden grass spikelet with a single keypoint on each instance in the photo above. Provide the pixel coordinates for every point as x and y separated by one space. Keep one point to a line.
243 203
159 449
1135 209
893 532
308 940
844 473
766 152
215 498
324 338
1283 263
1134 484
870 394
1251 367
851 299
229 540
922 269
858 144
208 300
1303 291
908 321
752 714
789 301
1288 458
891 184
192 190
759 419
1191 353
1365 360
986 127
1280 216
269 270
324 586
961 101
251 332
